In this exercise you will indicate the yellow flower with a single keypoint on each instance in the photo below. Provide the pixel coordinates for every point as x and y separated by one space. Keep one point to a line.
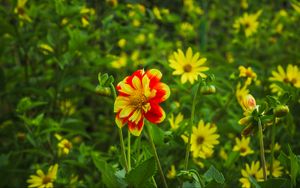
122 43
172 172
186 29
242 146
247 72
175 123
21 11
188 66
64 147
277 169
120 62
229 57
156 13
203 139
248 22
244 4
67 107
112 2
85 12
46 49
255 171
42 180
291 76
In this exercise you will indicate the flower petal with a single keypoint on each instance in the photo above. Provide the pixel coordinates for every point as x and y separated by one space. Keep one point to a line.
156 114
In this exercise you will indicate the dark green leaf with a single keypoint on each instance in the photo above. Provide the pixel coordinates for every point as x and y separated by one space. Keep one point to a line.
142 172
213 174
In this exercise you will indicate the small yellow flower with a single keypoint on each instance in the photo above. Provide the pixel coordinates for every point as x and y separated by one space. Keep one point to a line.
186 30
203 139
242 146
21 11
86 12
42 180
241 92
122 43
229 57
64 147
67 107
277 169
244 4
248 22
112 2
172 172
136 23
247 72
255 171
156 13
189 66
120 62
46 49
174 123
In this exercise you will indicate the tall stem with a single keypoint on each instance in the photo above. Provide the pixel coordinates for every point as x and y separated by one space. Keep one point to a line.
272 145
112 87
156 158
262 150
188 146
128 152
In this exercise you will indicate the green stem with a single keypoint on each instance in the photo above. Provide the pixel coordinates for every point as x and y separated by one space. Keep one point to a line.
156 157
128 152
112 87
262 150
188 146
272 145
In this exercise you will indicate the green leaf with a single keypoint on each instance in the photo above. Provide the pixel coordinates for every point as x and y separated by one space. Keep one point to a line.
139 175
158 134
275 183
107 172
284 160
213 174
26 104
294 165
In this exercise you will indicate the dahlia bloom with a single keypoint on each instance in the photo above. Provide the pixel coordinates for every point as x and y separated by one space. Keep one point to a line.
139 97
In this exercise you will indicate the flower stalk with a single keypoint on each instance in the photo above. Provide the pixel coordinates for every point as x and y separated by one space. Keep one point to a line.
156 158
262 150
120 132
272 146
128 151
188 147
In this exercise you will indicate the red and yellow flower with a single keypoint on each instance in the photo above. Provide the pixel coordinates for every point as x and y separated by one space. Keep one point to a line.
139 97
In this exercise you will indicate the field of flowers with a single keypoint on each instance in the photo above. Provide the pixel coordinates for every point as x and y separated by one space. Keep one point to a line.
149 94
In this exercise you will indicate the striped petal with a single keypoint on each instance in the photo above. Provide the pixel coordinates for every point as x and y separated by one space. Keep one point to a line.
156 114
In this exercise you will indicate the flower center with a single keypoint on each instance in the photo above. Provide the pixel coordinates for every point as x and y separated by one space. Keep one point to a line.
247 25
294 81
243 150
67 145
46 180
286 80
20 10
200 140
138 99
187 68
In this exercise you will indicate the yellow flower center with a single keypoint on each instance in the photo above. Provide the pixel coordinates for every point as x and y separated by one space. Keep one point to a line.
138 99
46 180
187 68
200 140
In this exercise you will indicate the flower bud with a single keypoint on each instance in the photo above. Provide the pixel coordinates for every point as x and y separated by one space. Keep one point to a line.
281 110
248 102
208 90
105 91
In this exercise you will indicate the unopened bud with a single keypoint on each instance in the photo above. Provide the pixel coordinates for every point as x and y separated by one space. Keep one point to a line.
249 102
281 110
208 90
105 91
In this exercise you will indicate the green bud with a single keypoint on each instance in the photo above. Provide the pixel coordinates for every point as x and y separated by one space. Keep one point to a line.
208 90
281 110
105 91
